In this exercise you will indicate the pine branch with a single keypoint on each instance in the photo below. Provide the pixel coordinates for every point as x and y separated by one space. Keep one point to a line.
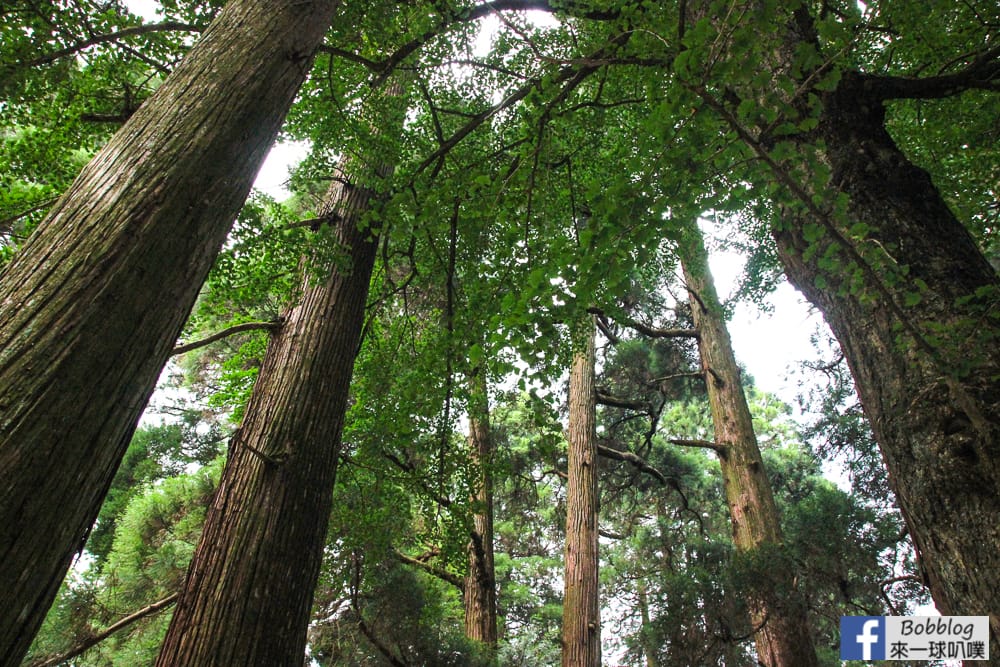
96 639
273 325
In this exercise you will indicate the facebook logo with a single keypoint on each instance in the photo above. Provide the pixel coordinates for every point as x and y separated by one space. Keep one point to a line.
862 638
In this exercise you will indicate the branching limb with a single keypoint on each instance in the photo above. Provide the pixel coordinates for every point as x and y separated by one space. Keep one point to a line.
441 574
166 26
606 399
982 73
635 460
273 325
96 639
703 444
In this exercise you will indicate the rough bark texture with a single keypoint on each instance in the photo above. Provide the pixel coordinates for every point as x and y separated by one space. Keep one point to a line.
479 592
581 630
92 305
784 639
934 404
249 589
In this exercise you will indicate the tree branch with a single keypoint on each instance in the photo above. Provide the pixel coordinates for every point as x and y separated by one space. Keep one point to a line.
703 444
441 574
96 639
982 73
273 325
645 329
565 74
610 401
166 26
629 457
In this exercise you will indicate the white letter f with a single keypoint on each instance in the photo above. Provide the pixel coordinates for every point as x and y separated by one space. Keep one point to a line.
866 638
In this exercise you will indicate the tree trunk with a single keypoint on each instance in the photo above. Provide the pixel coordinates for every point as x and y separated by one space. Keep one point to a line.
649 647
913 302
479 595
783 639
249 589
581 631
92 305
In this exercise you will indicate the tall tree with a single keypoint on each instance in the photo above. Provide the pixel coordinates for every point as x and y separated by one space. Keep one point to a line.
907 292
778 615
274 499
91 306
581 609
479 592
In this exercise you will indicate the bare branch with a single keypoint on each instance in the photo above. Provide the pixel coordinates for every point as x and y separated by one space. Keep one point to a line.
273 325
166 26
982 73
703 444
603 398
634 459
96 639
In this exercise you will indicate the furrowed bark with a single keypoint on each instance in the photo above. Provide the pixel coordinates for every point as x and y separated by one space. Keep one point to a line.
91 306
249 589
784 639
479 593
913 303
581 631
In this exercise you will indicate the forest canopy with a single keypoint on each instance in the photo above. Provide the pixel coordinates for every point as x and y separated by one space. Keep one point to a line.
466 395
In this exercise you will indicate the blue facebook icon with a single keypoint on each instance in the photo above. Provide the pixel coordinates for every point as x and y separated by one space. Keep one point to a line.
862 638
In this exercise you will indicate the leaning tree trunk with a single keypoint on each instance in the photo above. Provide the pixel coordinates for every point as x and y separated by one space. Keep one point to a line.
479 592
250 585
92 305
914 305
923 350
581 629
783 638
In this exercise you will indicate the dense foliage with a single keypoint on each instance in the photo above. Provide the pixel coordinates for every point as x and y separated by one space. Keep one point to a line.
546 168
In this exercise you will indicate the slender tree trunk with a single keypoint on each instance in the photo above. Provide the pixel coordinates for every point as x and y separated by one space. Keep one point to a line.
581 631
914 304
250 586
92 305
480 596
784 639
649 648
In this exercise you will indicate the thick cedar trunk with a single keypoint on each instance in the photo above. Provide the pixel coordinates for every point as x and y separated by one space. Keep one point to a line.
934 404
249 589
92 305
783 639
581 629
914 304
479 592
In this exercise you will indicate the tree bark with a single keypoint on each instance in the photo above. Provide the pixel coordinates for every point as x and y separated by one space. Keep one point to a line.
249 588
913 303
581 631
480 597
646 640
783 638
91 306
